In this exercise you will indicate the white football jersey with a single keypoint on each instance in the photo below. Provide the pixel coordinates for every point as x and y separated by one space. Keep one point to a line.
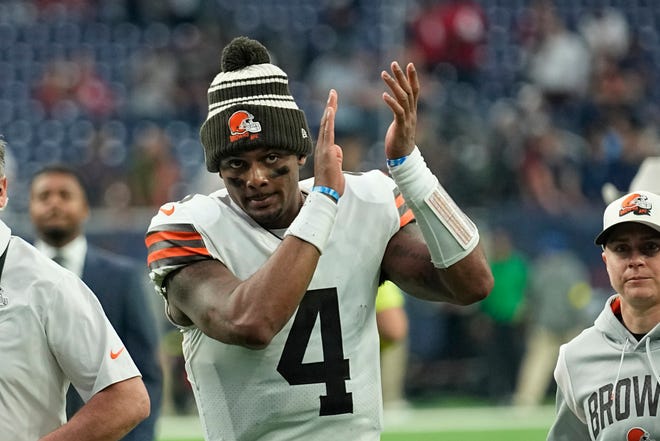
320 376
52 331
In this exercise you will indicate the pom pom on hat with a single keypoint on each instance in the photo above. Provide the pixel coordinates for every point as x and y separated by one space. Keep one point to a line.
243 52
250 106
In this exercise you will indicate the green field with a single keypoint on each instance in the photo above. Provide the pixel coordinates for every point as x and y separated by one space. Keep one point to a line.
500 435
480 435
428 424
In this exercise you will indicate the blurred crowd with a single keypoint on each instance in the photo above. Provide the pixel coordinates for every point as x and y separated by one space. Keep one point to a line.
529 108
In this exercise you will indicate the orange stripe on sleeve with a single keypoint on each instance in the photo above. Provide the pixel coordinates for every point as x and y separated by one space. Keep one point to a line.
160 236
399 201
176 252
406 218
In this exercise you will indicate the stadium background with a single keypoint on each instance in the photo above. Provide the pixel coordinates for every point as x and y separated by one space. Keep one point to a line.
118 90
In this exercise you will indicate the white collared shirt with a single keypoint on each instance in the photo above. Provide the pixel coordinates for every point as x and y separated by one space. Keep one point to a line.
52 331
73 253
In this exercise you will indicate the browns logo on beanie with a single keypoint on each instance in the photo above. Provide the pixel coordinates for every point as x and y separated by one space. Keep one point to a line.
250 106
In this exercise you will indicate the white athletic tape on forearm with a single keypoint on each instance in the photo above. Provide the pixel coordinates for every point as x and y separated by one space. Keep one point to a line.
315 220
449 234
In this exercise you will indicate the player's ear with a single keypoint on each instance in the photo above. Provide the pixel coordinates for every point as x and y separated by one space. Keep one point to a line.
3 192
302 159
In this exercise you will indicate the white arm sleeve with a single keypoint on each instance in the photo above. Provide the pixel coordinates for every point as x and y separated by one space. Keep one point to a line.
449 233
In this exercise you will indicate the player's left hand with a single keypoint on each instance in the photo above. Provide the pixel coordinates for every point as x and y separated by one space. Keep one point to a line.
402 99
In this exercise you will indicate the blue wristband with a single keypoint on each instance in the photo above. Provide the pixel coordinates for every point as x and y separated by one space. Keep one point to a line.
327 190
397 161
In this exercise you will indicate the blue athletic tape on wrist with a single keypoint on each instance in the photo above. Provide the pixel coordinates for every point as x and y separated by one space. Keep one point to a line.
397 161
327 190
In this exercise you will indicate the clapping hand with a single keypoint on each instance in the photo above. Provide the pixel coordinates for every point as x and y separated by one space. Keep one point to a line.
402 99
328 156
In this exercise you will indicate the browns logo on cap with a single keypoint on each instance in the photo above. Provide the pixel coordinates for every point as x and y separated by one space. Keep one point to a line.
635 203
637 206
241 124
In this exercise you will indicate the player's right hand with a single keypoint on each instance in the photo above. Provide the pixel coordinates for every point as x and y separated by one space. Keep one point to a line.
328 157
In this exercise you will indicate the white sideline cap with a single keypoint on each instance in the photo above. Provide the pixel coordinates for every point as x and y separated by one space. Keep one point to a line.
638 206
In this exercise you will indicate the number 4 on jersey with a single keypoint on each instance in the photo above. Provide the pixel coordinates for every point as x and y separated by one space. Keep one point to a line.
334 370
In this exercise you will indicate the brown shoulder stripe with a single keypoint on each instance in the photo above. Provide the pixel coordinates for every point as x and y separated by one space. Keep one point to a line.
174 244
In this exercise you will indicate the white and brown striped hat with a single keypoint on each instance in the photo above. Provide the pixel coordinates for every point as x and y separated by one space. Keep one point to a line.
250 106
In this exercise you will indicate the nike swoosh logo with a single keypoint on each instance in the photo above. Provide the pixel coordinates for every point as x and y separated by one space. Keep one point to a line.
114 355
167 211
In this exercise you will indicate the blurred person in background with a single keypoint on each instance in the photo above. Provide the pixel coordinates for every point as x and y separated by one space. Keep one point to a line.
155 174
74 82
451 32
556 310
608 377
607 33
624 140
55 333
249 270
392 322
502 313
59 211
557 60
647 178
617 117
550 172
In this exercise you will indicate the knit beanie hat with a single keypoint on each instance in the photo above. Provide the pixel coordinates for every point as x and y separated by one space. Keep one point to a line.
250 106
